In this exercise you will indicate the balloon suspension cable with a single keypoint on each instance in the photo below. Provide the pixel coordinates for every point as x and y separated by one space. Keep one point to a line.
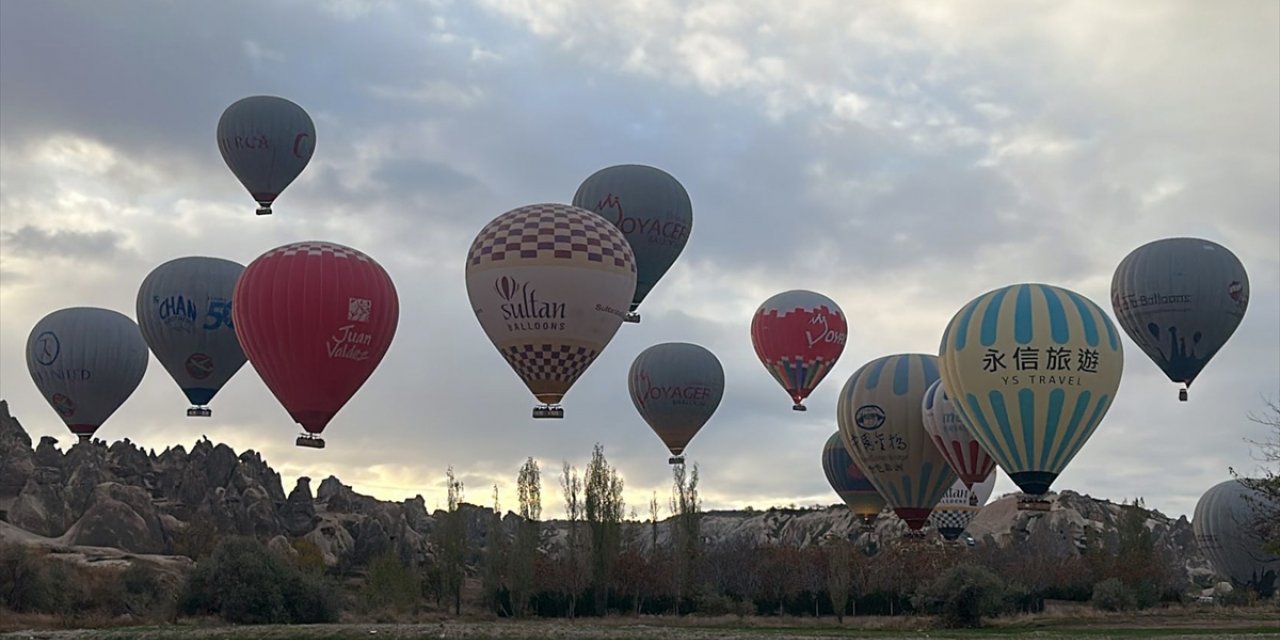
310 441
799 407
1182 394
199 412
548 411
632 317
1033 503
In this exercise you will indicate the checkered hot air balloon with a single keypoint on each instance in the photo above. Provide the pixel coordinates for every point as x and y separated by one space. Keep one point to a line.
550 285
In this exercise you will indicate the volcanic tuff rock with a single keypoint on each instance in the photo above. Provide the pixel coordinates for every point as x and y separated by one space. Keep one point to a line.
125 498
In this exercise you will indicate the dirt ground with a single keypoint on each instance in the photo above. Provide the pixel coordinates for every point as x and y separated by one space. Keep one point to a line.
1252 623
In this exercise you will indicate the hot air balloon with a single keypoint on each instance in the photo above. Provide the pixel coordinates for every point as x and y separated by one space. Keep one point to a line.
963 452
879 413
798 335
960 504
315 319
1222 526
266 141
676 387
849 482
1031 369
184 311
1180 299
550 285
652 210
86 362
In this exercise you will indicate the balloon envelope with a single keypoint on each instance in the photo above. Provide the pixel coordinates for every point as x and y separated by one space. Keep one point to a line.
798 336
266 141
1032 369
652 210
1180 299
184 312
849 482
963 452
86 362
1221 524
550 284
315 319
879 413
676 387
960 504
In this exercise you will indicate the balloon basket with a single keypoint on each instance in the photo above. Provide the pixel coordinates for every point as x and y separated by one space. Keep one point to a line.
1182 395
199 412
264 210
1033 503
548 411
675 460
310 441
799 407
632 317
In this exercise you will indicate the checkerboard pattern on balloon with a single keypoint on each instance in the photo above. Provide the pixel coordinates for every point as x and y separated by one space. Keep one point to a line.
548 362
548 233
318 248
951 519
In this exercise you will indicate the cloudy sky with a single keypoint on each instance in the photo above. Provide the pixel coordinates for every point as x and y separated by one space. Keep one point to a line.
900 157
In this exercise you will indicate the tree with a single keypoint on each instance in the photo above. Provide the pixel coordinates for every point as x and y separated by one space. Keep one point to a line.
574 564
963 596
451 541
839 576
1266 507
523 577
603 508
496 551
686 538
653 520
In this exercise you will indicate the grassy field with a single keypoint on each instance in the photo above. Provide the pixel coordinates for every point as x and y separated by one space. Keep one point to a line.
1172 623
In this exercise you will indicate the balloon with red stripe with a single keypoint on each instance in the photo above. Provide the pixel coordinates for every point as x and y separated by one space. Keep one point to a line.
798 336
315 319
963 452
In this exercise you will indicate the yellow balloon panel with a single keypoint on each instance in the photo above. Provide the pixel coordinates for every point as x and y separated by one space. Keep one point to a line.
1032 369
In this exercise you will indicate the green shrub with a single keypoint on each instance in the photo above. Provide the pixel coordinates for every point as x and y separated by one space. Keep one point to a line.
962 596
26 585
245 583
390 584
1112 595
715 604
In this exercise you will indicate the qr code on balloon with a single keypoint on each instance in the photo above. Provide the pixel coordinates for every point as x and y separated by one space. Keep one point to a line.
358 309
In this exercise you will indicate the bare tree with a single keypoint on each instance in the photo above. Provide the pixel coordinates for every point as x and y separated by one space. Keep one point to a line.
528 537
839 576
1266 503
603 508
653 520
574 562
451 540
686 537
495 558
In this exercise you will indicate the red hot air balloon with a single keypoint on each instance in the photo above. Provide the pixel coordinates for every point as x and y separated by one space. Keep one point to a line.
314 319
799 335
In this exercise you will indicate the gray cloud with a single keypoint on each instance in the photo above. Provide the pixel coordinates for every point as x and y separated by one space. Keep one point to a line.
900 160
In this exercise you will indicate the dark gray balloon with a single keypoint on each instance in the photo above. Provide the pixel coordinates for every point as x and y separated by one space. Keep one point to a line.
1221 527
652 210
1180 299
676 387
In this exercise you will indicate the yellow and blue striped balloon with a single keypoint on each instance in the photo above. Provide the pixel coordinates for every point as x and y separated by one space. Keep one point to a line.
880 418
1032 369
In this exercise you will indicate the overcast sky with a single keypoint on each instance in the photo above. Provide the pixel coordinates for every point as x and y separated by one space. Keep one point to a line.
899 157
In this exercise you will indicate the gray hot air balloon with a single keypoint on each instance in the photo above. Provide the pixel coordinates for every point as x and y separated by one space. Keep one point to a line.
676 387
266 141
86 362
1180 299
184 311
1221 527
652 210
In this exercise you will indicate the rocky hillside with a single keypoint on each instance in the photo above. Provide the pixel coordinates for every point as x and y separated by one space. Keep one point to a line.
119 497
